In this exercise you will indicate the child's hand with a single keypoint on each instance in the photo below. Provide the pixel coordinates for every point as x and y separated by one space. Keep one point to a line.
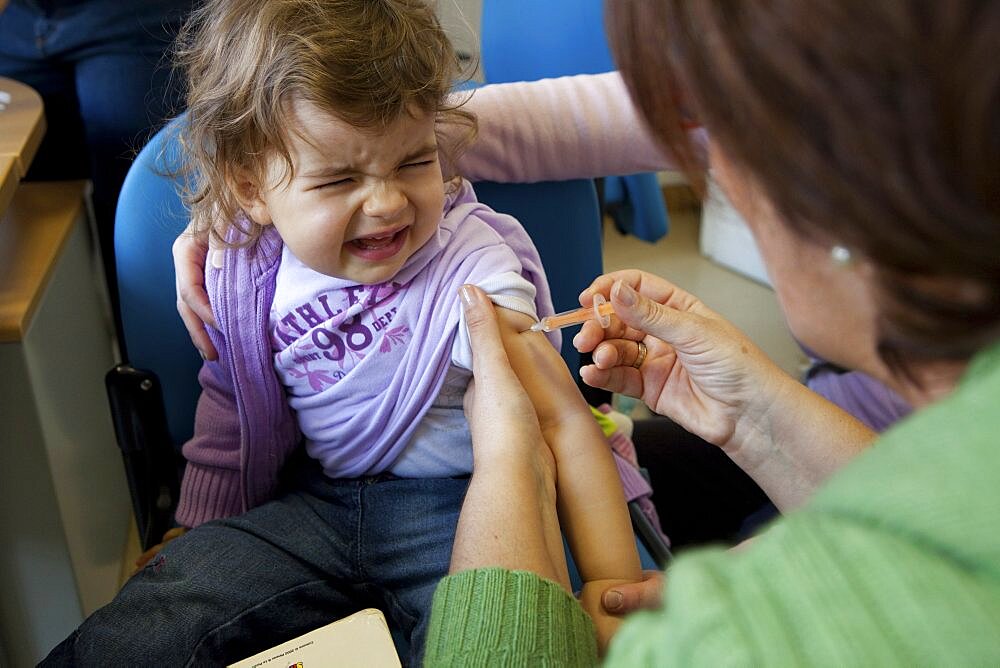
153 551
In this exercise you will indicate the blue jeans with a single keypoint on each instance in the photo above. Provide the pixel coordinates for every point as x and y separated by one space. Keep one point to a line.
100 68
234 587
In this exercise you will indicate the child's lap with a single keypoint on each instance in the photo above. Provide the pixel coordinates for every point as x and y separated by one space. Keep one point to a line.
322 550
382 532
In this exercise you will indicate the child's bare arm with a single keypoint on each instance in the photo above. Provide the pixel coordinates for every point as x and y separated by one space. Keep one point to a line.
591 503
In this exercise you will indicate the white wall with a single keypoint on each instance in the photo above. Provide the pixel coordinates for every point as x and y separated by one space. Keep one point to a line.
461 20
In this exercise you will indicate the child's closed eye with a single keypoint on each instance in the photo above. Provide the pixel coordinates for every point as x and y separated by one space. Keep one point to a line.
420 163
335 182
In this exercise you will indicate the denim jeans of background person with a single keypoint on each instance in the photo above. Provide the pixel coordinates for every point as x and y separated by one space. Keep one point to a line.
313 555
100 69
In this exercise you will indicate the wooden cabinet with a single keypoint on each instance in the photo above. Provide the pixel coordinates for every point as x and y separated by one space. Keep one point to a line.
64 503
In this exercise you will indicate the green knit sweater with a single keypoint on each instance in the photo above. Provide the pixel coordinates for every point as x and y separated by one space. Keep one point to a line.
896 560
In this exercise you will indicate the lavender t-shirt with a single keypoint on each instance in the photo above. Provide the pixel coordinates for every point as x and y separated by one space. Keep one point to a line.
345 352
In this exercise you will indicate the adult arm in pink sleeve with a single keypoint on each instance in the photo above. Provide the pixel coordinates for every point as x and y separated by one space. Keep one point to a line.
582 126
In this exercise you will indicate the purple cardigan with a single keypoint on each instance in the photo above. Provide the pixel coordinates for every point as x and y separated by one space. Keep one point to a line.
235 455
244 428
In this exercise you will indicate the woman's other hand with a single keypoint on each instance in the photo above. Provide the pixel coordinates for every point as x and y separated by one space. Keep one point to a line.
699 369
630 597
190 253
509 516
501 417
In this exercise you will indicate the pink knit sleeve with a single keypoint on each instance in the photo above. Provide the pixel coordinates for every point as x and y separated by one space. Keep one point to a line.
573 127
212 483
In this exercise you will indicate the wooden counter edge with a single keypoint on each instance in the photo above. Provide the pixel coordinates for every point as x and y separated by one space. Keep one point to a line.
33 232
24 121
9 179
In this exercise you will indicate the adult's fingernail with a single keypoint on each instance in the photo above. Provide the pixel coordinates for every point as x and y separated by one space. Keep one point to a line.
613 599
468 296
624 293
202 353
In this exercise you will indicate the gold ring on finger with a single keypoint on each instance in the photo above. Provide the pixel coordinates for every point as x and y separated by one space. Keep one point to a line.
640 355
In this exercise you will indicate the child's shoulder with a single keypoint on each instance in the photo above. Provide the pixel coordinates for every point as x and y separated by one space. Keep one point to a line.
467 217
475 234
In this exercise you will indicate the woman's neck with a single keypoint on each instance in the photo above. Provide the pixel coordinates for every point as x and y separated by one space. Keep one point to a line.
928 382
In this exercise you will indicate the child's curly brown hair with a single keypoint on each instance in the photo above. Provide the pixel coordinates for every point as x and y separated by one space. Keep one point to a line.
363 61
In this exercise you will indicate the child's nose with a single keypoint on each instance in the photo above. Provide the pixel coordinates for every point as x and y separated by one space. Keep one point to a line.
385 200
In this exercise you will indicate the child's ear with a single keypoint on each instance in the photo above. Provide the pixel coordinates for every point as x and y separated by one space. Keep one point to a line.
248 194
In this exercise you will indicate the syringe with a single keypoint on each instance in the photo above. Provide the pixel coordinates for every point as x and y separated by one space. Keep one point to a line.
601 311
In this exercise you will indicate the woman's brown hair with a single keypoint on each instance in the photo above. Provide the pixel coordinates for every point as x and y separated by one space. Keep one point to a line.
868 124
363 61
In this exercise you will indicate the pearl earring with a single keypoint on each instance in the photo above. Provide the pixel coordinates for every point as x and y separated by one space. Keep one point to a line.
841 256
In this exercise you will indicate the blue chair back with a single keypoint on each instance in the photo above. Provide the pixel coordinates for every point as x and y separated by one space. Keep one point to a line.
525 40
564 222
149 218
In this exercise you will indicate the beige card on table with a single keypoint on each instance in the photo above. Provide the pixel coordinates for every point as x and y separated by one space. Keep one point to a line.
362 639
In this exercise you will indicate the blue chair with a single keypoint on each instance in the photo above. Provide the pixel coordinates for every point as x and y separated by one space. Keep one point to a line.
524 40
154 393
564 222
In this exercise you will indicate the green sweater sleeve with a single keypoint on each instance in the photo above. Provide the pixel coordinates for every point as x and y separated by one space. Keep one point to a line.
497 617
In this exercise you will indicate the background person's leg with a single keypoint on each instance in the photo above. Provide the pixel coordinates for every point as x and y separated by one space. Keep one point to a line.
122 100
26 56
126 91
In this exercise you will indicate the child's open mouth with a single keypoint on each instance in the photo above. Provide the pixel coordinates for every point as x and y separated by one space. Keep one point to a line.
379 246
